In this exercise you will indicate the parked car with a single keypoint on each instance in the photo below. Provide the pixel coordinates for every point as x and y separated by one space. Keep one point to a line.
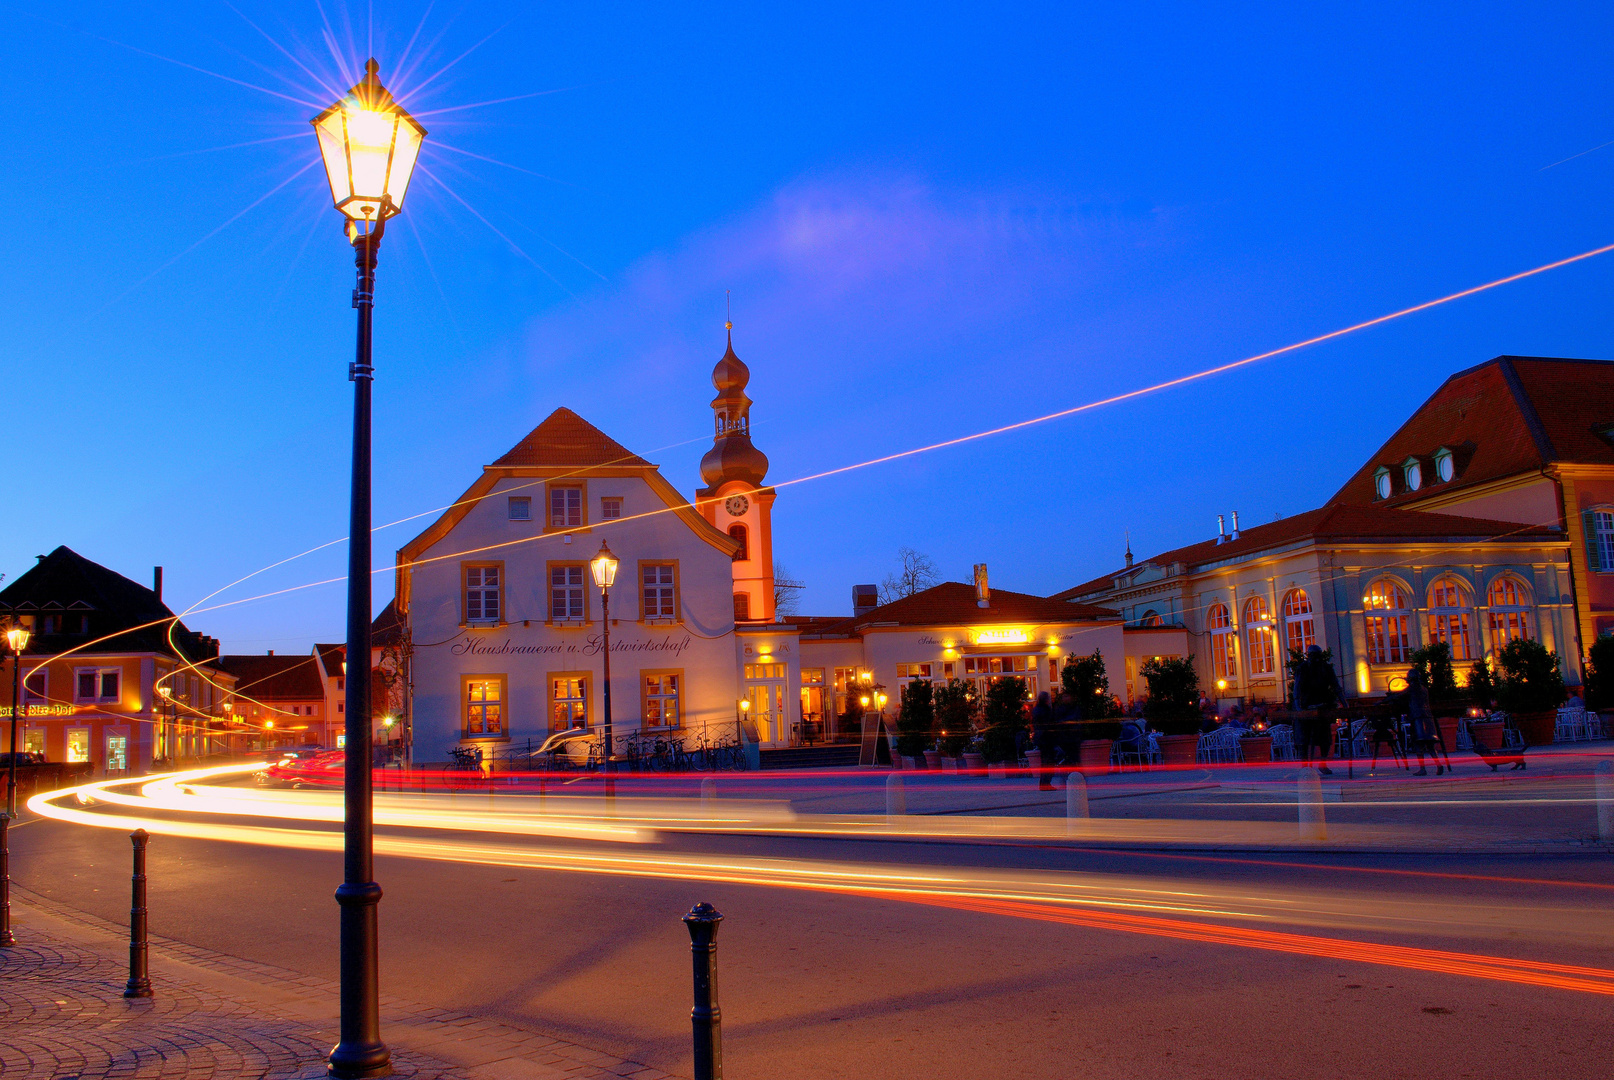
305 767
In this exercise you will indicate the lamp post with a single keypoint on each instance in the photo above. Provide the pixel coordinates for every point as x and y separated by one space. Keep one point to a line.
369 145
17 641
603 566
166 719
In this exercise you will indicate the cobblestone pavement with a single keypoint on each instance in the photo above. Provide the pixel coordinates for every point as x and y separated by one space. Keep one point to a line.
63 1017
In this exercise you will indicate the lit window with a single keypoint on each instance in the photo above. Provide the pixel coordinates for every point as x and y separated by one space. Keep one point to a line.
1224 653
97 684
1387 620
661 698
1445 465
482 594
1151 618
484 707
1382 485
568 702
610 509
1509 615
565 593
660 591
1449 617
1258 637
1299 629
565 507
520 508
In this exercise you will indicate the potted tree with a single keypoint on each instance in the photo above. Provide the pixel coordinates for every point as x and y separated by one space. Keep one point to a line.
1087 691
916 717
955 707
1530 687
1004 717
1173 707
1445 699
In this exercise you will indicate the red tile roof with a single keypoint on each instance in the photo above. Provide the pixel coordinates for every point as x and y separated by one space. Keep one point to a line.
952 603
1356 524
1510 415
568 441
274 678
331 658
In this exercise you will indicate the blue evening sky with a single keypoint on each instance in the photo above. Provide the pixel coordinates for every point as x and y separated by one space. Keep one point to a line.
934 219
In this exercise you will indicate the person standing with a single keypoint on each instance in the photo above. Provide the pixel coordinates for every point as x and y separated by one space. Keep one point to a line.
1042 736
1425 732
1317 691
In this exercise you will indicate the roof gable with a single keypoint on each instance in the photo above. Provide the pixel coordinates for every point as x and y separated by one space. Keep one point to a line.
953 603
565 440
278 678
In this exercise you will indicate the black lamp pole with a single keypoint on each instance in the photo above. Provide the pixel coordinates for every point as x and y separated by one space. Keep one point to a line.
605 615
360 1053
6 938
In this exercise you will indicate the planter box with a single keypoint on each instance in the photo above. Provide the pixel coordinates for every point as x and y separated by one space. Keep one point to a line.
1095 754
974 763
1448 732
1537 728
933 759
1257 749
998 770
1488 733
1034 760
1178 749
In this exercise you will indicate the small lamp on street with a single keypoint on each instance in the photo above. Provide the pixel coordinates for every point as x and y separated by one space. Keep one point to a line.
16 641
369 145
604 566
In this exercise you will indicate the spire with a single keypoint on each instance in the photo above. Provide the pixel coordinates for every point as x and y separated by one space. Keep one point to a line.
1129 547
732 457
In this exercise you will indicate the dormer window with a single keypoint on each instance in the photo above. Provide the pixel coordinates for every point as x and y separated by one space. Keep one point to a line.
1445 465
1412 470
1382 482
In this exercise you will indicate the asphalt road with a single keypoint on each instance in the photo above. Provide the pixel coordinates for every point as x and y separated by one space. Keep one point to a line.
818 985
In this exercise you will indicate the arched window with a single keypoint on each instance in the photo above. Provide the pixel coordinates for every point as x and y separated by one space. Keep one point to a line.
1224 654
1450 619
1151 618
1258 637
1388 617
1509 617
742 606
738 535
1299 630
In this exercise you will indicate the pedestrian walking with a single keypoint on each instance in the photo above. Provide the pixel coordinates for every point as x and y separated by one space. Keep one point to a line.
1425 732
1317 692
1042 736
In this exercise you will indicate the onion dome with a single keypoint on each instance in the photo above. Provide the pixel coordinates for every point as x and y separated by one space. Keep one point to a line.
732 457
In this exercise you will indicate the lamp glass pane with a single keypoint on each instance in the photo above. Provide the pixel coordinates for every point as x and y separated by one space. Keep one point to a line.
369 145
405 151
332 150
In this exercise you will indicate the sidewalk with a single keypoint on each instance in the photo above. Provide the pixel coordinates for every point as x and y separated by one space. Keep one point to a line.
63 1017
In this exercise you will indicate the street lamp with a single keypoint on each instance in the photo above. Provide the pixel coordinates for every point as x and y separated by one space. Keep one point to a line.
16 641
603 566
369 145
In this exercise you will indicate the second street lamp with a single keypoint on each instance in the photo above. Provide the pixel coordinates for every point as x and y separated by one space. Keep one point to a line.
369 145
16 641
604 567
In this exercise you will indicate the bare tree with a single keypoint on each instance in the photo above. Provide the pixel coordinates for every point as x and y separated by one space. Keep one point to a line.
786 592
915 573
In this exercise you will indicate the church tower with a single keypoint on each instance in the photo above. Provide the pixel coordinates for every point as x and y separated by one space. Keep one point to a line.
734 499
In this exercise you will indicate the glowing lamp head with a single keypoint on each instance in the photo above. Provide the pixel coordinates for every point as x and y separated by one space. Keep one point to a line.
369 144
881 698
604 567
1221 684
864 701
166 691
17 638
268 725
388 721
745 705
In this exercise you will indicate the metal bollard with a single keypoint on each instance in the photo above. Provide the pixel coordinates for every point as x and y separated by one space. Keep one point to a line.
139 984
1076 814
1603 777
896 804
1312 826
706 1018
708 796
6 937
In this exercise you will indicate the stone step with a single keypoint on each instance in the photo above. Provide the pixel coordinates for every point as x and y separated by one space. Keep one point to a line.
811 757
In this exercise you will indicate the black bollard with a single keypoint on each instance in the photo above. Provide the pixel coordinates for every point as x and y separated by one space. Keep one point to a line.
706 1017
6 938
139 984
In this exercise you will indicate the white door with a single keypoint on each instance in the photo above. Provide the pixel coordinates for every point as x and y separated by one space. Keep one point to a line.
768 711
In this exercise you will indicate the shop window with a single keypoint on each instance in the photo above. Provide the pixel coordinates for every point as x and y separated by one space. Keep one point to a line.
520 508
1388 617
568 702
659 600
567 596
1300 631
738 534
1224 650
484 706
1509 616
659 698
78 744
1258 637
482 593
1450 617
565 507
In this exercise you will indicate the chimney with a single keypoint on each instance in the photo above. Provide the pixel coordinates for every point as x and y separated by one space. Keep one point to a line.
157 582
271 652
983 591
1221 529
865 598
1235 525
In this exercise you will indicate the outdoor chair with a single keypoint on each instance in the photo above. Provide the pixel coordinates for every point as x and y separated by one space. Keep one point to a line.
1283 742
1571 726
